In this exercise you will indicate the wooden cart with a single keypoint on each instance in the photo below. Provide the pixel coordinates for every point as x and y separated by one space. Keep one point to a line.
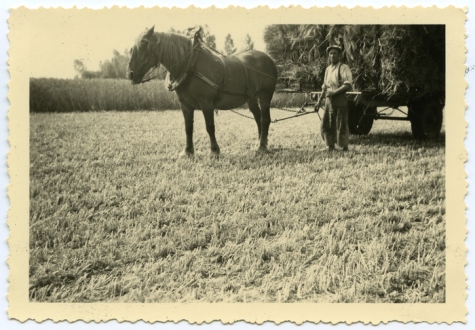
424 113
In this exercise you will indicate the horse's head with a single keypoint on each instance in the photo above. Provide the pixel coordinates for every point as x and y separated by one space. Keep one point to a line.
143 56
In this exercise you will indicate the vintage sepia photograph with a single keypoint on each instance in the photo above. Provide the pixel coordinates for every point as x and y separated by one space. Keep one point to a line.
186 157
112 205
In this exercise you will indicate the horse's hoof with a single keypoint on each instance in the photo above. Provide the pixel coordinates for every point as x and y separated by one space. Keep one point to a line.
263 151
214 154
186 154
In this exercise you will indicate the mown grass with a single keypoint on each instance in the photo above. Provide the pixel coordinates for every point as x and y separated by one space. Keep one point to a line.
117 216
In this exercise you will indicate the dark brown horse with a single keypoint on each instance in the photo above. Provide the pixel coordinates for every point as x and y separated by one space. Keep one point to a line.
205 80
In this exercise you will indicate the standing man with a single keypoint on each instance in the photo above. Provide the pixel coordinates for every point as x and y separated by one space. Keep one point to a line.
336 83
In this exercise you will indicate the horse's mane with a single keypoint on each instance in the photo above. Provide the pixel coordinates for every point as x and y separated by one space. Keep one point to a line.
171 47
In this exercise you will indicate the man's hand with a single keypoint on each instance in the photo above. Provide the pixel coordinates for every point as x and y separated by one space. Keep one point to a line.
317 107
320 99
343 89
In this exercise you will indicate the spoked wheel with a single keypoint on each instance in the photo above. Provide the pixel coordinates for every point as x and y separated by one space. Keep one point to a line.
426 117
359 121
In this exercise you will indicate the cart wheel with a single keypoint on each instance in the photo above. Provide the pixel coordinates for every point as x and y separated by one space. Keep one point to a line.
426 118
357 122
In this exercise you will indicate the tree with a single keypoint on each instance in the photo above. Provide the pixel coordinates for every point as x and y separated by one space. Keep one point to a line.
229 45
206 36
107 70
172 30
248 43
210 40
83 72
91 74
79 66
119 63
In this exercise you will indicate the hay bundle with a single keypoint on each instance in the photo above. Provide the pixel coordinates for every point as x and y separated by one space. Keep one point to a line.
412 60
388 62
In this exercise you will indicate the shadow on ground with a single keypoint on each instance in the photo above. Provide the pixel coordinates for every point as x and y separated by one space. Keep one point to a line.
397 139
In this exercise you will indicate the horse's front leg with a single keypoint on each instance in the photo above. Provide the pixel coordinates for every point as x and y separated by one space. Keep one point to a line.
264 103
188 114
208 114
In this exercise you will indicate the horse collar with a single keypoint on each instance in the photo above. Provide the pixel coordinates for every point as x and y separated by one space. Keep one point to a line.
189 70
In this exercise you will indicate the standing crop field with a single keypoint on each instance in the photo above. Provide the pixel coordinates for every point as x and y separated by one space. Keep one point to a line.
117 216
67 95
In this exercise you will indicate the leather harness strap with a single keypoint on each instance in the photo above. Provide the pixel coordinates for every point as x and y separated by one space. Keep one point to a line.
188 71
339 74
200 47
206 80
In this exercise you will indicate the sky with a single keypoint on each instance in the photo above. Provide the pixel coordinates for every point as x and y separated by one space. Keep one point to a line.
91 37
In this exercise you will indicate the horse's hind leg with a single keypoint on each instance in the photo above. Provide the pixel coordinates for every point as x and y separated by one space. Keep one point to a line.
264 103
208 114
256 111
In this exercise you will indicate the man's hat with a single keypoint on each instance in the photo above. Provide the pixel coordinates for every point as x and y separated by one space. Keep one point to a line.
334 47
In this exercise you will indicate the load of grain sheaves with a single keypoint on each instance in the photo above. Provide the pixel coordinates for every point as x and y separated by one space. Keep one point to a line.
389 62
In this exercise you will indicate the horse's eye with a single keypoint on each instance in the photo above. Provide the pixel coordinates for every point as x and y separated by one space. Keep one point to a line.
144 43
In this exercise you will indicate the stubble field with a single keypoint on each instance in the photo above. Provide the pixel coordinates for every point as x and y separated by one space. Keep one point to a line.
117 216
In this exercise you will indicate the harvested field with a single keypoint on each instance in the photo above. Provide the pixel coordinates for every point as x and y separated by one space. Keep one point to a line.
117 216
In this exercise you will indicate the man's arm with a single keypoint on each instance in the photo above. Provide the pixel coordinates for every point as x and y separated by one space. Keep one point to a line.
324 92
343 89
347 78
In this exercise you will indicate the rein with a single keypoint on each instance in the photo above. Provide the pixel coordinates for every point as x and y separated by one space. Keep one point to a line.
158 75
168 70
298 113
200 46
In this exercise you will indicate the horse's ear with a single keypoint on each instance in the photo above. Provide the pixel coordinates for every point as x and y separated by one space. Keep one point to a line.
150 32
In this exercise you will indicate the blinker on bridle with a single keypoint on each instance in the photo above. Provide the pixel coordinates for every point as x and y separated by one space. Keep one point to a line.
157 63
150 50
155 66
